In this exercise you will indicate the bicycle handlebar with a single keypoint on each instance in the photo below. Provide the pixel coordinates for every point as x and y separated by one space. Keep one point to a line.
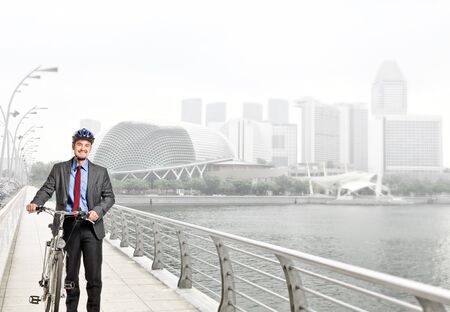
79 214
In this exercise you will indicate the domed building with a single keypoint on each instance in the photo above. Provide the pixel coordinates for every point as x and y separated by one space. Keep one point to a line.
139 146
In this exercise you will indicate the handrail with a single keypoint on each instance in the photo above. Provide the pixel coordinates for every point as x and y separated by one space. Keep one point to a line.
430 298
9 219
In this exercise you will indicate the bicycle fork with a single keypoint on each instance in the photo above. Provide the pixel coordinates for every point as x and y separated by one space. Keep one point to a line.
43 282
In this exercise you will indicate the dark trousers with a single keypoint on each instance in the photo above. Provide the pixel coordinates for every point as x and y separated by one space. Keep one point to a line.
80 239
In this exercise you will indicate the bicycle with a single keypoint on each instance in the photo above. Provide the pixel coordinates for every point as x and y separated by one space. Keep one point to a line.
53 266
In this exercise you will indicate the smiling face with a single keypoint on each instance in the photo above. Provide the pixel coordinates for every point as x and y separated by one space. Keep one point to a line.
81 149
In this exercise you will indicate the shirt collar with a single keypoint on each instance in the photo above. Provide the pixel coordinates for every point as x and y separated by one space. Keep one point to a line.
84 166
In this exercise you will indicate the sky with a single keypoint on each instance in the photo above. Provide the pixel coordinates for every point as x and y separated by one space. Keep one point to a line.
137 60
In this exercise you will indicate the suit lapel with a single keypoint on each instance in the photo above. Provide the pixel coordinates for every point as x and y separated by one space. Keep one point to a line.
66 176
90 186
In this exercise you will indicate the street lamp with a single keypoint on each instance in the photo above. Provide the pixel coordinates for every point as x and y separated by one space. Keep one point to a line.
30 155
30 75
31 111
20 149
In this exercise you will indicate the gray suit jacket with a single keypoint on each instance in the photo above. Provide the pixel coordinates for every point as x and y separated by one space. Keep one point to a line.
100 196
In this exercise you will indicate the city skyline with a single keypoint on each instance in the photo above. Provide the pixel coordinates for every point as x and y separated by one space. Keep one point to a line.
140 61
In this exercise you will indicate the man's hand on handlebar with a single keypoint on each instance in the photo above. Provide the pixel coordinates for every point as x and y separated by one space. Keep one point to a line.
31 207
92 216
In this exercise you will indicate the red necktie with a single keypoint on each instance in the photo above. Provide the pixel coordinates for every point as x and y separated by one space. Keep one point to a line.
76 192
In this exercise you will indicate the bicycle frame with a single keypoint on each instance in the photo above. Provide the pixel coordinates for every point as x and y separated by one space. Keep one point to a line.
53 265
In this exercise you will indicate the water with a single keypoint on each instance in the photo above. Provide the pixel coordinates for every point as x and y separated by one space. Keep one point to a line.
407 241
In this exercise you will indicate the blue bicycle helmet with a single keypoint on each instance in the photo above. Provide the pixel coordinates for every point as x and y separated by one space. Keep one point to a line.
83 134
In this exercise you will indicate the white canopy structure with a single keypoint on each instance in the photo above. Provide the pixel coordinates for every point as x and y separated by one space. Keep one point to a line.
348 183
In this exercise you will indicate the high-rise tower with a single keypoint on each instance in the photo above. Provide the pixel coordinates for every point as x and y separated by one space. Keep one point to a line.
278 111
354 135
389 91
320 132
215 112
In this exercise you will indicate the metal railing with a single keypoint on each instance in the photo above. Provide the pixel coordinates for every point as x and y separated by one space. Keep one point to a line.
9 219
248 275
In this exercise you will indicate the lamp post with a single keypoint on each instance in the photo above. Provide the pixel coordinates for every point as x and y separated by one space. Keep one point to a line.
25 153
30 75
31 111
20 149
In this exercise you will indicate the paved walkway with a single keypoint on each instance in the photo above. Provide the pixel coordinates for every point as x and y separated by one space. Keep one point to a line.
126 285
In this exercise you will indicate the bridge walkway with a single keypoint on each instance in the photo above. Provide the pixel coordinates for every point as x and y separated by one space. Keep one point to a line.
126 285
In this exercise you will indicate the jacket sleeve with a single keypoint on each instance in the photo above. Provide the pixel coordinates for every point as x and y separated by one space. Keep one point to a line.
107 194
47 190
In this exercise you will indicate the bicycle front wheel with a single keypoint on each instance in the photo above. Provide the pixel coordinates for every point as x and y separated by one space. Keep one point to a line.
55 282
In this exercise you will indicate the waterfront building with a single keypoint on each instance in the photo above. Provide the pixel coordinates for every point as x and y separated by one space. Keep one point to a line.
251 141
406 144
140 146
320 131
400 142
278 111
216 114
191 111
354 135
240 170
315 170
284 145
252 111
389 91
412 143
375 149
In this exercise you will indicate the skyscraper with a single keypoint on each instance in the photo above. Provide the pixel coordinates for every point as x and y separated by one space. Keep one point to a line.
320 130
215 114
278 111
284 145
191 111
354 135
399 142
251 141
252 111
389 91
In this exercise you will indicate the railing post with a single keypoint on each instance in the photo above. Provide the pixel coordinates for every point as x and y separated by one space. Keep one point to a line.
228 299
158 252
297 297
124 240
185 280
431 306
139 250
113 226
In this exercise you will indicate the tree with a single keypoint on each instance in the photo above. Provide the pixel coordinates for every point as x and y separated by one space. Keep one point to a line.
212 185
242 187
300 187
175 184
403 184
284 184
117 185
226 187
195 184
261 188
39 172
441 186
162 184
135 185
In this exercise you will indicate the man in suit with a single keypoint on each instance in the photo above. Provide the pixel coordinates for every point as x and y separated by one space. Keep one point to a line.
80 185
